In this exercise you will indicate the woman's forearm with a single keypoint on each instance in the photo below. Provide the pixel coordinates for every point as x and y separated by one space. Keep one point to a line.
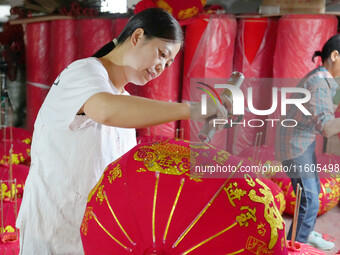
133 111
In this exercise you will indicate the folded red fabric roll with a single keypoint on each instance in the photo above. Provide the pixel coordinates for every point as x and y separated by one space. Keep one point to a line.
211 58
254 49
38 67
63 45
92 34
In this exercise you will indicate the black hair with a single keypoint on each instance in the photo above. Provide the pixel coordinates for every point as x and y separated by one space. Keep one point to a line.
156 23
332 44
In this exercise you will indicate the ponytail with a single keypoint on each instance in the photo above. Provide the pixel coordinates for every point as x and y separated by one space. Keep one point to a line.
106 49
316 54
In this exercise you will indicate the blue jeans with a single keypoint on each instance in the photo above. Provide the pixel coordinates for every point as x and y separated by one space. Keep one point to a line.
310 183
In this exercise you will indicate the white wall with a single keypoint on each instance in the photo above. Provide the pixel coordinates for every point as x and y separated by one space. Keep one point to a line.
130 3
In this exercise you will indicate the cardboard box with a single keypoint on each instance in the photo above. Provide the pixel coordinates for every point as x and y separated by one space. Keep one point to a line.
293 6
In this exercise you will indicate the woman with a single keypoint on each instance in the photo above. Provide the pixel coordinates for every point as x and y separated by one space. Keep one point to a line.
87 121
295 147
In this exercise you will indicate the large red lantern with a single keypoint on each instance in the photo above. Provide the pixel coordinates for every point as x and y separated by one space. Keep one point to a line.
147 202
329 194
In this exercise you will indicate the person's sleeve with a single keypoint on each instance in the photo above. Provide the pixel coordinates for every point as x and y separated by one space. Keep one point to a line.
75 86
321 105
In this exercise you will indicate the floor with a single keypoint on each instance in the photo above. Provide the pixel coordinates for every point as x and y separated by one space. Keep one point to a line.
329 224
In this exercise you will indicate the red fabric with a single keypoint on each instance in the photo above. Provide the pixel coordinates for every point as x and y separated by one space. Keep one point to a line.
329 195
164 88
142 187
294 47
63 45
37 43
18 134
19 172
21 153
294 51
144 4
193 34
211 58
254 49
35 97
118 26
92 35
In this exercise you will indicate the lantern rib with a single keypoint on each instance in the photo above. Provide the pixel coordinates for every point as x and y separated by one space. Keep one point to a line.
186 231
173 209
109 234
116 219
154 209
210 238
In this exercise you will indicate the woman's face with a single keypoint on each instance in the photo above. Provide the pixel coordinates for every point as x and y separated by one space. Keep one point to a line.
332 64
147 59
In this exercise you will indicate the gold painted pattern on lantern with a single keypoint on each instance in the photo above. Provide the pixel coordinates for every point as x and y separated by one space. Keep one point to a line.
249 180
164 158
100 196
234 193
257 246
116 172
187 13
16 159
164 5
243 218
280 198
94 190
195 176
222 157
87 217
27 141
283 243
271 213
8 193
261 229
7 229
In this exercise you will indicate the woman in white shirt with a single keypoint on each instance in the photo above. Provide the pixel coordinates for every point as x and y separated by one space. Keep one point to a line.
87 121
